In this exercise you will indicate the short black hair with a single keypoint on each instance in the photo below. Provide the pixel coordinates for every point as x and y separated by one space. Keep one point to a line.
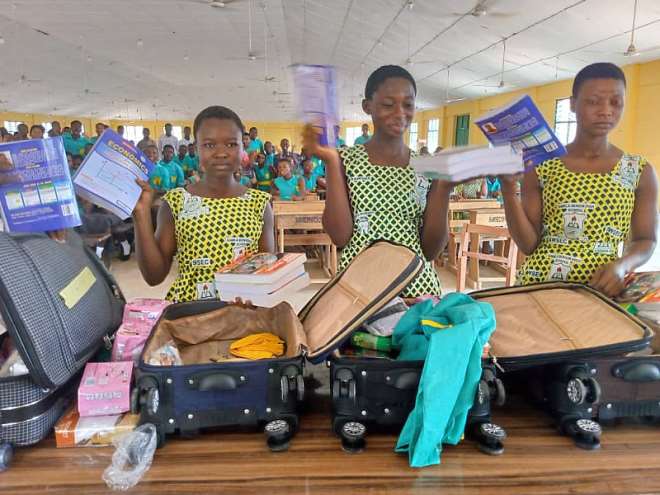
167 125
168 146
76 122
217 112
284 159
599 70
253 128
38 126
382 74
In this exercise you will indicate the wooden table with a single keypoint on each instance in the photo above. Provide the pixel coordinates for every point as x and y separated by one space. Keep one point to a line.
305 216
537 460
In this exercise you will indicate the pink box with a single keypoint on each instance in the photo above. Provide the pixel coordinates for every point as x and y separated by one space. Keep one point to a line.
144 310
129 341
105 389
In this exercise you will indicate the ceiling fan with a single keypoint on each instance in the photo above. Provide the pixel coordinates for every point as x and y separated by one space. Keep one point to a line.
501 84
251 54
23 79
218 4
449 99
632 50
484 8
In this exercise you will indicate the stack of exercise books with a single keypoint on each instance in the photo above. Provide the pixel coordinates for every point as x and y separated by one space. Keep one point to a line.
642 295
468 162
264 279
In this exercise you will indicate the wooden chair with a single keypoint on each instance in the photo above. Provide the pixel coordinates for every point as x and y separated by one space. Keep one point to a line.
305 216
469 252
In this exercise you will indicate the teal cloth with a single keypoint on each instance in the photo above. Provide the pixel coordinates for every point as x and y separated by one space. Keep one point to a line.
361 139
287 187
176 173
451 373
75 146
190 164
310 182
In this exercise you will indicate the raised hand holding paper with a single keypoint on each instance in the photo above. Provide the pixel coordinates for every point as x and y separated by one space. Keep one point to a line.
36 193
316 99
520 124
107 176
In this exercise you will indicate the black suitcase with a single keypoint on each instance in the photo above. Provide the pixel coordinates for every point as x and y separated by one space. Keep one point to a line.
566 344
380 393
58 305
266 392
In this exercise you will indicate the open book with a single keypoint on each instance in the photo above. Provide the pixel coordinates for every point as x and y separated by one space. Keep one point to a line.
521 124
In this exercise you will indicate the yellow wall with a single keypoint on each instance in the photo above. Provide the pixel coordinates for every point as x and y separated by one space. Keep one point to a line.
637 132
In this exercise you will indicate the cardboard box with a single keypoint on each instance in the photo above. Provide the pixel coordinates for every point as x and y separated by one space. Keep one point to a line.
129 341
144 310
97 431
105 389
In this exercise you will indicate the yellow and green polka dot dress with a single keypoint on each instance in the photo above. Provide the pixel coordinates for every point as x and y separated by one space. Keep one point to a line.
387 203
210 233
586 219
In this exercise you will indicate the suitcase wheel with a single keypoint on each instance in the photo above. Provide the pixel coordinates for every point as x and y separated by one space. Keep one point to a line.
585 433
352 435
344 389
498 394
278 435
580 390
489 438
6 455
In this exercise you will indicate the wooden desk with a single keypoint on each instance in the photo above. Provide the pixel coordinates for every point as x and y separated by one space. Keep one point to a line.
536 461
307 216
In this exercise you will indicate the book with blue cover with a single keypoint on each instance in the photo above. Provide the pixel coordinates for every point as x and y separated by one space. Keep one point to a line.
521 124
107 175
315 89
36 192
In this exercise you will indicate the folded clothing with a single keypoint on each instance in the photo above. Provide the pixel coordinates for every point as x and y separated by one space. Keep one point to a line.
262 345
383 322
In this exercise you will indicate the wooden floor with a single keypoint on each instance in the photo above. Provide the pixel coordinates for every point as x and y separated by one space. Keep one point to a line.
536 461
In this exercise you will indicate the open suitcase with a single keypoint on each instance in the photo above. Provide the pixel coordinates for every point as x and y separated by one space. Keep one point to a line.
202 393
571 342
58 305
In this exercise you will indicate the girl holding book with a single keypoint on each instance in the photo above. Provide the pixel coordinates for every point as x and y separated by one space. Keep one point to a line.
373 193
575 212
208 224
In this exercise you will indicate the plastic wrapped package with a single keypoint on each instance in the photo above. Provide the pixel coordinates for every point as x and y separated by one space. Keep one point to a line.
132 458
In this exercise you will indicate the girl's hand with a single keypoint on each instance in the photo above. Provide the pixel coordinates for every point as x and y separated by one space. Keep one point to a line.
57 235
609 279
146 198
311 143
510 182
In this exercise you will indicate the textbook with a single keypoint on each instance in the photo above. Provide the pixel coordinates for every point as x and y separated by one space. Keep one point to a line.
521 124
315 90
107 175
468 162
260 268
36 192
643 292
269 297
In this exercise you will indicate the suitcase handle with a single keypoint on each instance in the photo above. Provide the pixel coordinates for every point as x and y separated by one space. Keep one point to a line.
637 371
215 381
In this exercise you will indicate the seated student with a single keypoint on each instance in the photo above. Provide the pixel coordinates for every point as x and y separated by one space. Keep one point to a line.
183 152
576 211
159 178
491 188
373 193
208 224
74 142
176 173
286 186
76 160
269 151
312 180
246 175
264 173
190 162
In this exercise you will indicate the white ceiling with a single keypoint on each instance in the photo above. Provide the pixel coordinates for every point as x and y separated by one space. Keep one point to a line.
167 59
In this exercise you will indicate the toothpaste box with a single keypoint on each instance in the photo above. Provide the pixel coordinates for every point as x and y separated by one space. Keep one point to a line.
95 431
129 341
144 310
105 389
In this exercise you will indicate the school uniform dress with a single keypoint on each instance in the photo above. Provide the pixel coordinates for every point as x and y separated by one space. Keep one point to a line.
586 218
264 177
211 233
287 187
177 178
387 203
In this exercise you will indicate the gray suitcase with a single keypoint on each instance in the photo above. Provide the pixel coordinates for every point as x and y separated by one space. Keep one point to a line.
58 305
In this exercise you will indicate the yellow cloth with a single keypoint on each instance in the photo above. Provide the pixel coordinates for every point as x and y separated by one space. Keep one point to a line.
258 346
